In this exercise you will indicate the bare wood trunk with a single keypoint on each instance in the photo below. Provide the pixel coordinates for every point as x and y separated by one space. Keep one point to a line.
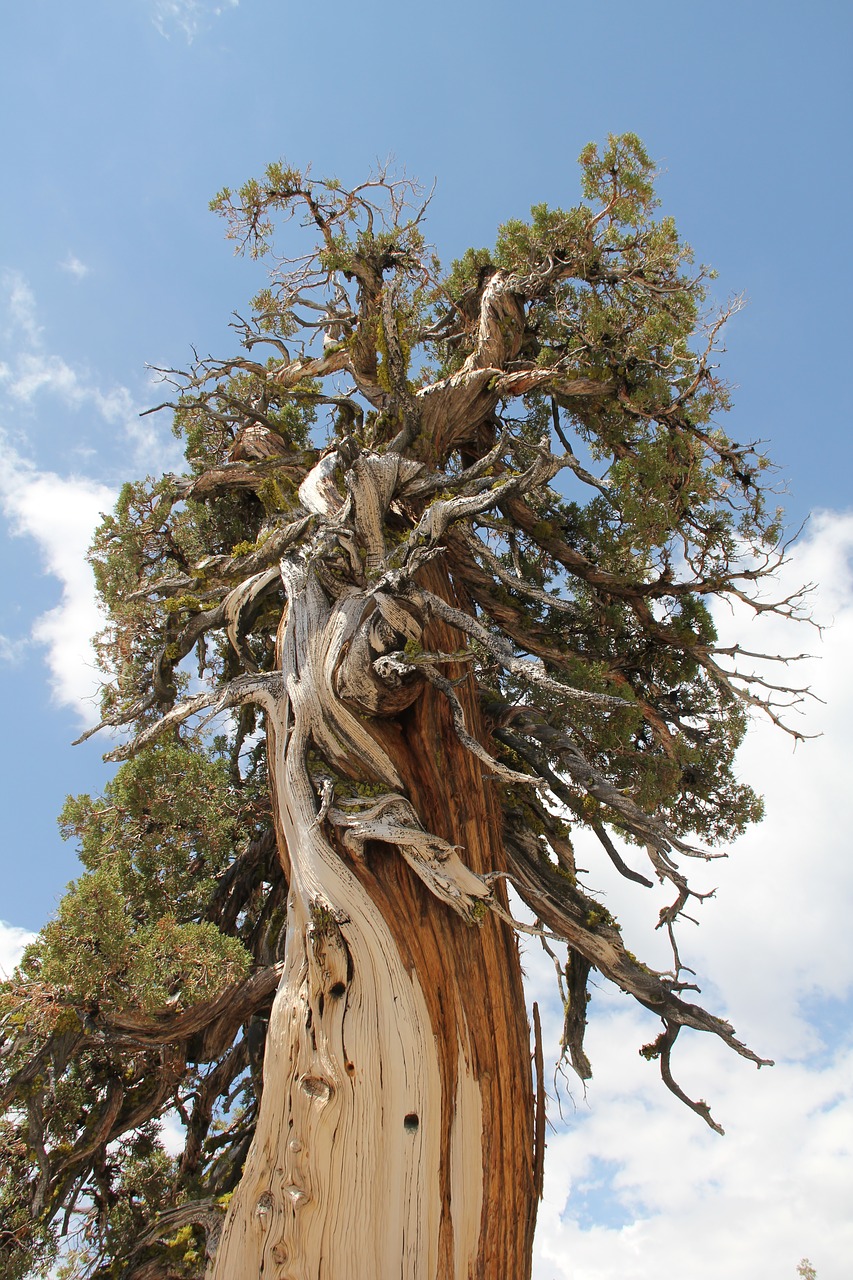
396 1129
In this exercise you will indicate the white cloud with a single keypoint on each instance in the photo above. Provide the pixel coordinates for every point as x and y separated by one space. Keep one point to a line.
188 16
73 265
12 943
173 1134
35 373
12 651
31 371
60 514
21 308
636 1185
672 1198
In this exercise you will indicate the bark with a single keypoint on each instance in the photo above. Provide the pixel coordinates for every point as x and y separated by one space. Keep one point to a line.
395 1135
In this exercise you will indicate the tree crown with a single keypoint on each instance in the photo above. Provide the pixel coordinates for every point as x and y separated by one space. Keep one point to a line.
542 422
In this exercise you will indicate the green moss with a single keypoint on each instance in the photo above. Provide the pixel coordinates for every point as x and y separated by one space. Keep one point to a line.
179 603
598 916
322 916
382 371
243 548
277 493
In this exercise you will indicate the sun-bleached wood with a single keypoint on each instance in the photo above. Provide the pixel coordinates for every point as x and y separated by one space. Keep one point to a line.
383 1097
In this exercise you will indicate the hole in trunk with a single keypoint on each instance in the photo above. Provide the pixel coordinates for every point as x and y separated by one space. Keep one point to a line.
338 989
411 1122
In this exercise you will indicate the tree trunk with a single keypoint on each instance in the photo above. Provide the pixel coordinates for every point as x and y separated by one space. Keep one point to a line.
395 1136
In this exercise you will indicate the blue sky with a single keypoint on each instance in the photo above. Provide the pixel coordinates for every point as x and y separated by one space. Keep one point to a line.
123 120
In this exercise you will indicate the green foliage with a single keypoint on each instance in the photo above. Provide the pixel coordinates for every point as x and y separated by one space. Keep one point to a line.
145 1181
465 273
167 914
93 951
25 1246
127 933
233 398
164 844
621 178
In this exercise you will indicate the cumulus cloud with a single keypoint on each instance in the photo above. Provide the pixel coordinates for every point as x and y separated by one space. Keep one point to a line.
12 943
636 1186
60 514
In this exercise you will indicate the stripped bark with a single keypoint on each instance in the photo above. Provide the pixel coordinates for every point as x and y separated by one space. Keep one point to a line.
395 1131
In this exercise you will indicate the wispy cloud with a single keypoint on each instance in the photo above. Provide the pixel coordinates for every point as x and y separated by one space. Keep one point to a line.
12 651
188 17
73 265
635 1189
31 371
21 320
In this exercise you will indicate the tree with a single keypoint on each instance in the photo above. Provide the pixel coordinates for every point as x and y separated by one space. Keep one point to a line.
368 682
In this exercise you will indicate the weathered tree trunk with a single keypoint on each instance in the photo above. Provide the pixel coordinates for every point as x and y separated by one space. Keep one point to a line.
395 1136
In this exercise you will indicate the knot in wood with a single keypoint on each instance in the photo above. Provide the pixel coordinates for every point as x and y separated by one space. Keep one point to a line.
317 1088
264 1207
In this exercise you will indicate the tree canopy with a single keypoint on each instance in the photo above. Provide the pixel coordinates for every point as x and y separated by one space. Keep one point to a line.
522 454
